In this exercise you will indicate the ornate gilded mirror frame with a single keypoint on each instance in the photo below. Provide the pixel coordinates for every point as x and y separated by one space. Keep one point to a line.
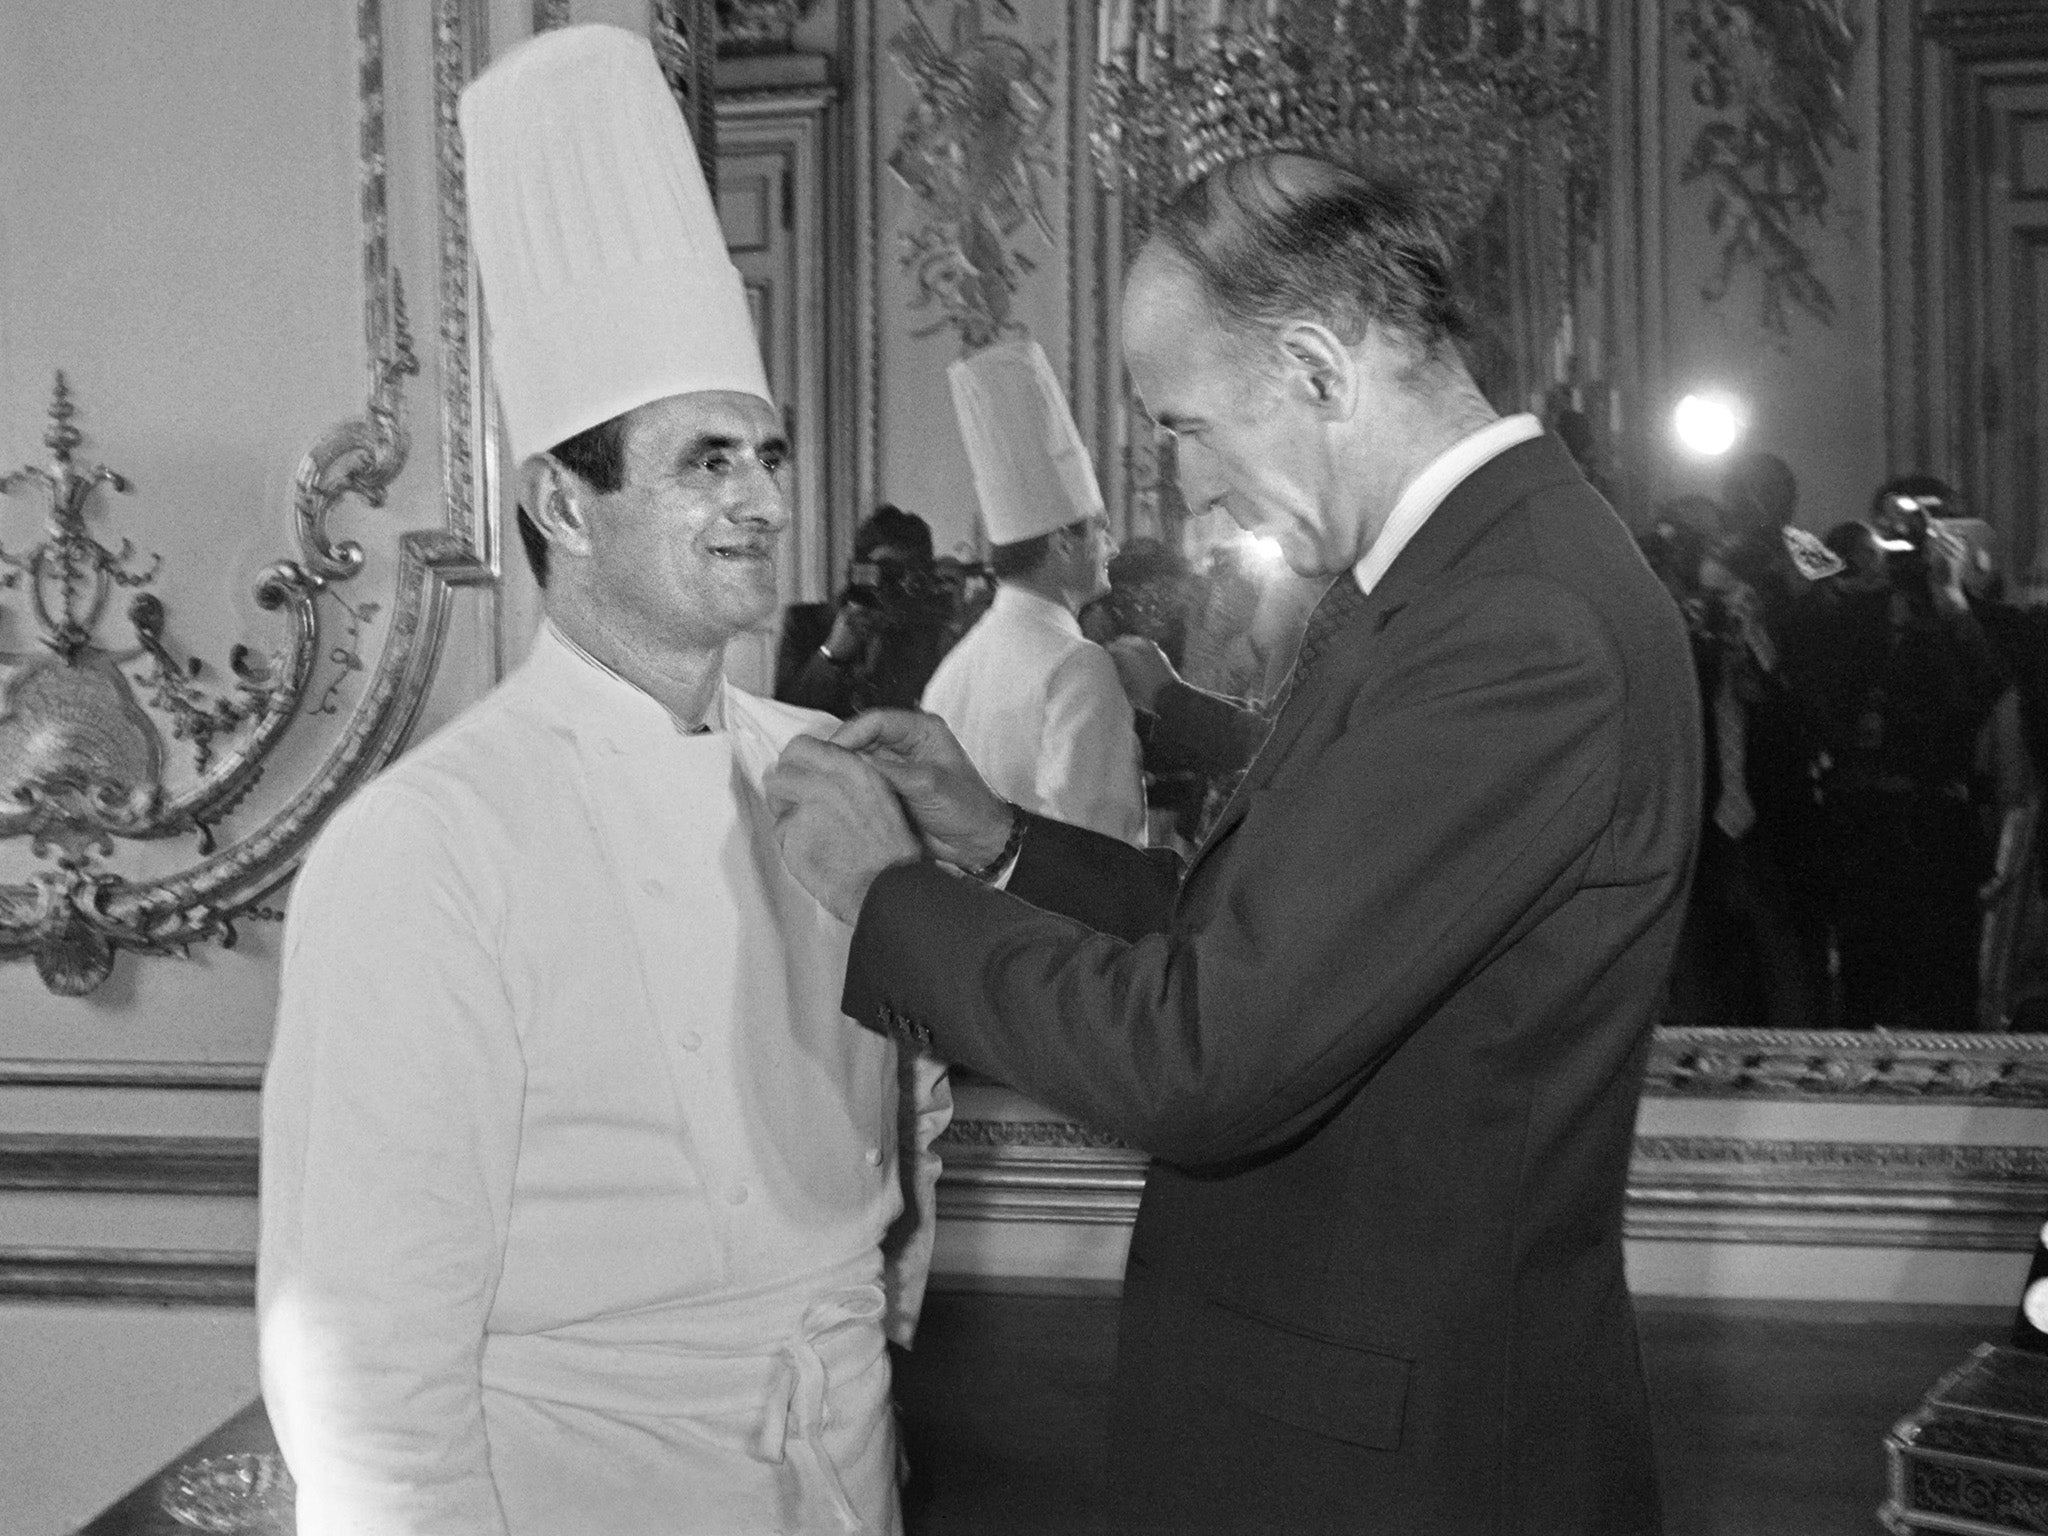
99 785
2008 1070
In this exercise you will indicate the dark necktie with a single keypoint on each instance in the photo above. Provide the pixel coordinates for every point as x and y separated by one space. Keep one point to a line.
1337 607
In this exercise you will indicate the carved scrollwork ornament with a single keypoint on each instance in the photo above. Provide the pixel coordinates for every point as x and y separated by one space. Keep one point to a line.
1717 1063
82 738
759 26
86 727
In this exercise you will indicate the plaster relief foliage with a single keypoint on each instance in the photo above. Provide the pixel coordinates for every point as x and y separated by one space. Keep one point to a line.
975 150
1774 75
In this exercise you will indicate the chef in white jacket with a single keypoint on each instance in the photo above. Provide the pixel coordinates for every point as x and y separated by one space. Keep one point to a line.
1037 706
575 1181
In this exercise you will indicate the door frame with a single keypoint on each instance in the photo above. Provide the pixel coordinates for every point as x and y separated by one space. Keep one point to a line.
1935 62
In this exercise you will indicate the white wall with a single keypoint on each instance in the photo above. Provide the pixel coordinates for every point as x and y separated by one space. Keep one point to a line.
98 1396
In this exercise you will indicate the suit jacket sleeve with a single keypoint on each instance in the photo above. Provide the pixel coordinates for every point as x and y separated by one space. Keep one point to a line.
1462 802
391 1115
1196 731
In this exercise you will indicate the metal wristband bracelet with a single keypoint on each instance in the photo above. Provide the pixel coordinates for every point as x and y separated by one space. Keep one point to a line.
1001 862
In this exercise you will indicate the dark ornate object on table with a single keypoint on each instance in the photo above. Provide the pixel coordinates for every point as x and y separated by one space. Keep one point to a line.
1973 1457
142 1511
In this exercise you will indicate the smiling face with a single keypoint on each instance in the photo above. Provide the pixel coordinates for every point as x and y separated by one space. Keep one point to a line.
1243 443
683 555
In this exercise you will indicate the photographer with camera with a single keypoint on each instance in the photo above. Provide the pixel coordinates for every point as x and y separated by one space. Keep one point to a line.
888 630
1904 682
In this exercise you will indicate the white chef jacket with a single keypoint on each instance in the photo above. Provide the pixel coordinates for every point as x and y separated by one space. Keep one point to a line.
575 1180
1039 711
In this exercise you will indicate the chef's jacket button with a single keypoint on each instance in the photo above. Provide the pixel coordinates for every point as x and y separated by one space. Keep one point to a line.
691 1040
874 1157
737 1195
652 886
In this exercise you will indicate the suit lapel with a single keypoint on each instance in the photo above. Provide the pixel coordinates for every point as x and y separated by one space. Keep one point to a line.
1474 505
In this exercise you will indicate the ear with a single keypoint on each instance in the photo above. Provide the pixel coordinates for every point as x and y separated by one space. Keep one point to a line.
558 503
1323 369
1063 541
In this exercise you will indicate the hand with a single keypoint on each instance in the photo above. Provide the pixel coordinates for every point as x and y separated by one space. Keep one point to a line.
1947 557
963 821
852 629
1142 668
837 822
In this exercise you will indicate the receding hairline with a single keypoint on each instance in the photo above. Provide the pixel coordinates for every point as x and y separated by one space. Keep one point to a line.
1256 344
1286 235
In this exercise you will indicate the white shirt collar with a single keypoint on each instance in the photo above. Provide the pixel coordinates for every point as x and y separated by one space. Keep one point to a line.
1426 492
714 717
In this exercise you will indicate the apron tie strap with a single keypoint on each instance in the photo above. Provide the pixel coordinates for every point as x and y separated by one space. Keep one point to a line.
797 1410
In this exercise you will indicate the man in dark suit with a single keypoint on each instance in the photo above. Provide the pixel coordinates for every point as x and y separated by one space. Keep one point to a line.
1385 1039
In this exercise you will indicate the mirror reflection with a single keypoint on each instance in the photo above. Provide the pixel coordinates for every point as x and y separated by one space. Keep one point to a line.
1874 718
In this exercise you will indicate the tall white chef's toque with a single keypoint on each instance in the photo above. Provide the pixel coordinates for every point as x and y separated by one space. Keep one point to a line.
605 273
1031 469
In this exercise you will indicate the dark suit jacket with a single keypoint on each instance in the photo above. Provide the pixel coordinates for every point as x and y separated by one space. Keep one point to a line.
1385 1042
1190 729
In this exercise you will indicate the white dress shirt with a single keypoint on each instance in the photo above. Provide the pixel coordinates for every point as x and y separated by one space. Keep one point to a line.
1039 711
574 1178
1426 492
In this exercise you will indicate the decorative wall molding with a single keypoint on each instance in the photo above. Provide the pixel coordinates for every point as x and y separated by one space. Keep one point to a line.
1696 1188
806 328
684 36
1681 1189
130 1165
233 1076
1978 20
1901 1068
164 1275
860 165
1937 59
1038 1184
72 919
1837 1194
1692 1189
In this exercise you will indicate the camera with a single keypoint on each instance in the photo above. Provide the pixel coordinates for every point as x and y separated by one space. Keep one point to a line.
897 593
1902 523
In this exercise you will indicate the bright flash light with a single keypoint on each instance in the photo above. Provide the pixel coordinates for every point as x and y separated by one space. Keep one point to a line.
1707 425
1265 549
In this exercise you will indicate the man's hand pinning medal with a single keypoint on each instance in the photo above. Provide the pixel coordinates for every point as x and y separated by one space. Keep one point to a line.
838 822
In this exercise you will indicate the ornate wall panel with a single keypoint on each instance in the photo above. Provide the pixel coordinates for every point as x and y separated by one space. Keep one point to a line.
1696 135
222 273
975 217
